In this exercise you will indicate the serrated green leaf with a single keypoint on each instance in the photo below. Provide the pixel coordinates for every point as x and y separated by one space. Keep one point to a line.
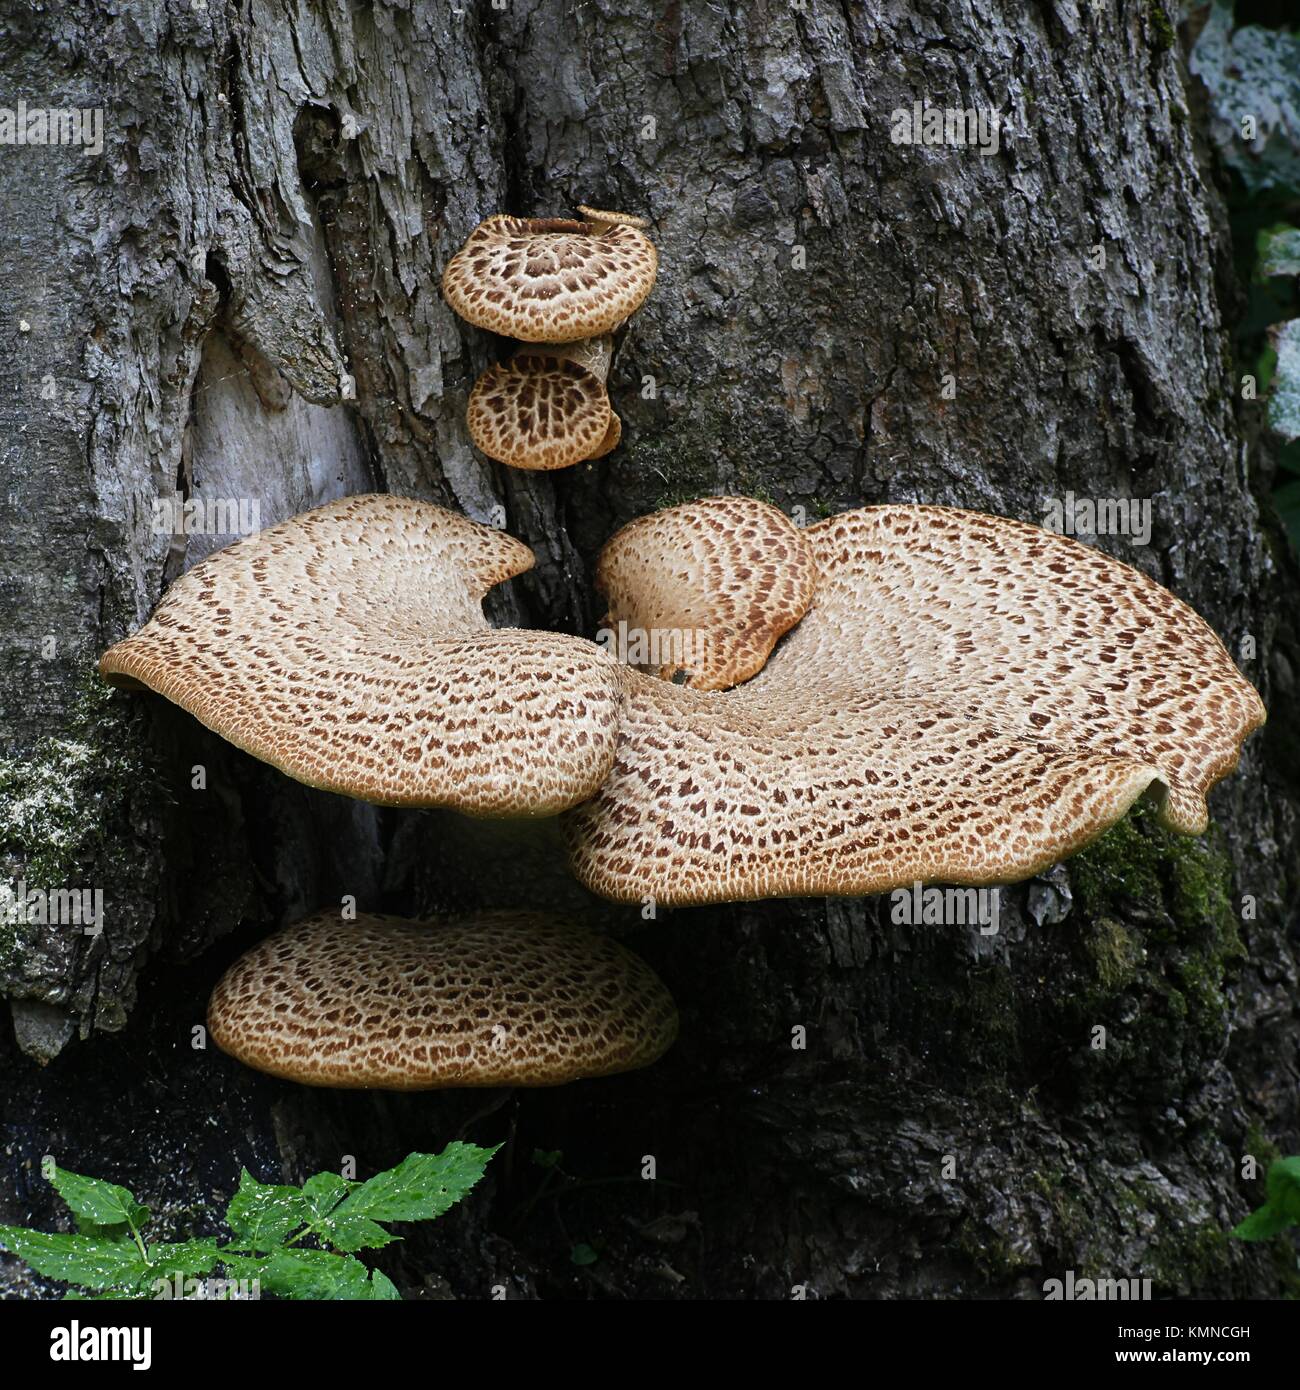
324 1192
85 1260
1278 249
1263 1224
76 1296
421 1187
383 1286
185 1258
315 1274
101 1204
92 1228
349 1232
263 1214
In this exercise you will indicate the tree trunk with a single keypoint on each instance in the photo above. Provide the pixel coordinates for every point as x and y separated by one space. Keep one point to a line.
239 299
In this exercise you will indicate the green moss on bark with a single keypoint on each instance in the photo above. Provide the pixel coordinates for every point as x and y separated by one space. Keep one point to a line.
68 810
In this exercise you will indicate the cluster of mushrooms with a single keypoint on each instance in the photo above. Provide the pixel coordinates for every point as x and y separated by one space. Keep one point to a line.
562 288
955 697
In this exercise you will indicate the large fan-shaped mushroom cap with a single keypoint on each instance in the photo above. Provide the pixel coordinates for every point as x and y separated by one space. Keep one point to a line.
730 575
348 647
968 700
504 999
550 280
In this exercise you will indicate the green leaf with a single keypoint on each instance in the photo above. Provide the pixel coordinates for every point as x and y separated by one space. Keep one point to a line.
421 1187
1284 1186
323 1192
1263 1224
583 1255
1284 389
96 1203
548 1158
383 1286
1278 249
350 1232
187 1258
343 1230
315 1274
86 1260
263 1214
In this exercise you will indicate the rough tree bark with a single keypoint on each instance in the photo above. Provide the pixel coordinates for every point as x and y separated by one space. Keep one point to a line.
239 298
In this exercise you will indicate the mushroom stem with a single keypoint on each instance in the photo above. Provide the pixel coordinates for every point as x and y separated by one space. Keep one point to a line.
595 354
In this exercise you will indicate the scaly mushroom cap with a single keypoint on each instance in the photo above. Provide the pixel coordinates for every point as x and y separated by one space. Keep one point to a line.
504 999
348 648
539 413
549 280
969 700
731 575
612 436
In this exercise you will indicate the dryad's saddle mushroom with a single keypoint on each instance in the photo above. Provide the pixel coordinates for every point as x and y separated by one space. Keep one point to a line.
506 999
348 647
549 279
561 287
724 577
968 700
546 411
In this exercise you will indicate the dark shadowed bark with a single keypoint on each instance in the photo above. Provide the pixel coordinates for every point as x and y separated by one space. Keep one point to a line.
239 299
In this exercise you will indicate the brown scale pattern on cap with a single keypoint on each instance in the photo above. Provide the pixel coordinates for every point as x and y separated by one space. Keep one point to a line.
504 999
549 280
734 572
537 412
969 700
612 437
348 648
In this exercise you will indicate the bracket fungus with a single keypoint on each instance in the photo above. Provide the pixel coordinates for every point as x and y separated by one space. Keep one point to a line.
546 410
602 219
551 279
968 700
566 285
726 576
348 648
504 999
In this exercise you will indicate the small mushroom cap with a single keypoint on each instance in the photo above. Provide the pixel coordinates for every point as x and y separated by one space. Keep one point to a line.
503 999
612 437
348 648
612 219
733 573
969 700
539 413
549 280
